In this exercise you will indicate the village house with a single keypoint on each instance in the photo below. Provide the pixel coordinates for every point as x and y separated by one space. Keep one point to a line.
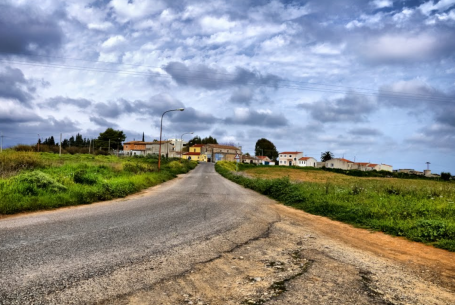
307 161
250 159
339 163
135 148
289 158
264 160
167 149
217 152
195 153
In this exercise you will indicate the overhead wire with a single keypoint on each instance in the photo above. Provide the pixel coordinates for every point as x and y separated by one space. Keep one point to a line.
189 76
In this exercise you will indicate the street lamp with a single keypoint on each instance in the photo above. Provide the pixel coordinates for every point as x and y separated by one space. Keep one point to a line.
161 132
181 140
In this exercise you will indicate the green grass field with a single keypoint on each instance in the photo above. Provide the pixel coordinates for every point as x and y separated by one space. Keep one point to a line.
33 181
420 210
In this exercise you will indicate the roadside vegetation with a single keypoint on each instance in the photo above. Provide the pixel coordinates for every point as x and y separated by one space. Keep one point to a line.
33 181
420 210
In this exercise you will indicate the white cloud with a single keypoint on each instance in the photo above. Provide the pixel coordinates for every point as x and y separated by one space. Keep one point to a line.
113 42
210 24
428 7
382 3
394 47
135 10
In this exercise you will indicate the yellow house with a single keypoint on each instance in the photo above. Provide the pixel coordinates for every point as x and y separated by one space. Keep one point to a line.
195 153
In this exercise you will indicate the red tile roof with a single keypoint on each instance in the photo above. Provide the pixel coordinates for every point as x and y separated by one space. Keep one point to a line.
222 146
305 158
362 163
345 160
198 145
371 165
262 157
192 154
290 153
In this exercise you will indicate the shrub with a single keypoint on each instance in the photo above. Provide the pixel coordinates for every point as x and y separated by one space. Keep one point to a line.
445 176
32 182
81 176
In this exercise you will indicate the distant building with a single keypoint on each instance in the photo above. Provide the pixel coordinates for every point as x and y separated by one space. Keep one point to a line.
289 158
264 160
307 161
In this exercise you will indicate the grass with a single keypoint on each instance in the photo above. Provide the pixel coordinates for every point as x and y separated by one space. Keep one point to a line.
34 181
420 210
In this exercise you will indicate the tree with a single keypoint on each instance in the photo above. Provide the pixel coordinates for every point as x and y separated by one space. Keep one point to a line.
446 176
112 137
326 156
264 147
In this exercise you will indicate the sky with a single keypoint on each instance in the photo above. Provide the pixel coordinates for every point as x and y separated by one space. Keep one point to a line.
370 81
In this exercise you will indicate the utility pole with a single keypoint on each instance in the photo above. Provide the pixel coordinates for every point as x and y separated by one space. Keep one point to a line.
60 149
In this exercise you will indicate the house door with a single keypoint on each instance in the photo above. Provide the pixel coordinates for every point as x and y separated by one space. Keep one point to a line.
290 163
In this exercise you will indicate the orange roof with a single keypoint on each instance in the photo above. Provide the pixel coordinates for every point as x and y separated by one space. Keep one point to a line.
371 165
198 145
305 158
137 142
362 163
192 154
291 152
262 157
345 160
222 146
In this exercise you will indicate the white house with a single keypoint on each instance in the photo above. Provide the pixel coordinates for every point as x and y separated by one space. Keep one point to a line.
340 163
289 158
307 161
264 160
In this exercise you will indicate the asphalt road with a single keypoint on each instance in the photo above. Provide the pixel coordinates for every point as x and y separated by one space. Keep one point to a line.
96 253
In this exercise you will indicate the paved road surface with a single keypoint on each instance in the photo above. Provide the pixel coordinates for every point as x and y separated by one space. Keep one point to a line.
100 252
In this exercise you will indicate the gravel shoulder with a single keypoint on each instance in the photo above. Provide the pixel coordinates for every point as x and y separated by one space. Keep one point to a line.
307 259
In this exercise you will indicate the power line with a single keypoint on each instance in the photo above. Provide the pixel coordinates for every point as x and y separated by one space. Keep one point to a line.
296 85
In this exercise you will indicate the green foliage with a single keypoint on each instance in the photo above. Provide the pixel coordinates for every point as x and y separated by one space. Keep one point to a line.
445 176
264 147
199 140
50 181
422 211
30 183
326 156
110 138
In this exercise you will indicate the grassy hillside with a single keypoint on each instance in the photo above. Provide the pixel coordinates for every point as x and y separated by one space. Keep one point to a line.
421 210
33 181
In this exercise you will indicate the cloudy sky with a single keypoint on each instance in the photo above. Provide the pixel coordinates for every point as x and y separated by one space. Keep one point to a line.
373 81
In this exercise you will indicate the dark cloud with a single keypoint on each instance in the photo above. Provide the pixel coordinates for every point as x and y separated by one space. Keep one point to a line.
14 85
242 95
244 116
102 122
419 97
353 107
216 78
365 131
435 136
17 115
27 30
112 109
60 100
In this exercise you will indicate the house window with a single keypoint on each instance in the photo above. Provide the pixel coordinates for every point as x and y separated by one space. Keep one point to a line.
290 156
281 156
295 159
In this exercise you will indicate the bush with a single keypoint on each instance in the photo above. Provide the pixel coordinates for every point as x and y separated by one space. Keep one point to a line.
32 182
81 176
445 176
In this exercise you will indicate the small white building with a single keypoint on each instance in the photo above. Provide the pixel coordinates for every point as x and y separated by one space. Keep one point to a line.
307 161
289 158
264 160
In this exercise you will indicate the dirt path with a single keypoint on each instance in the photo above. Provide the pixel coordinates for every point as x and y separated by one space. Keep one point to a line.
306 259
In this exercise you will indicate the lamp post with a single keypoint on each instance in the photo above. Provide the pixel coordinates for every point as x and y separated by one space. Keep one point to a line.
181 140
161 133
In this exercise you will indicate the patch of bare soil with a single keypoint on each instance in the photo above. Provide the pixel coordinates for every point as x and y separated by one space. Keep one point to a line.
307 259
